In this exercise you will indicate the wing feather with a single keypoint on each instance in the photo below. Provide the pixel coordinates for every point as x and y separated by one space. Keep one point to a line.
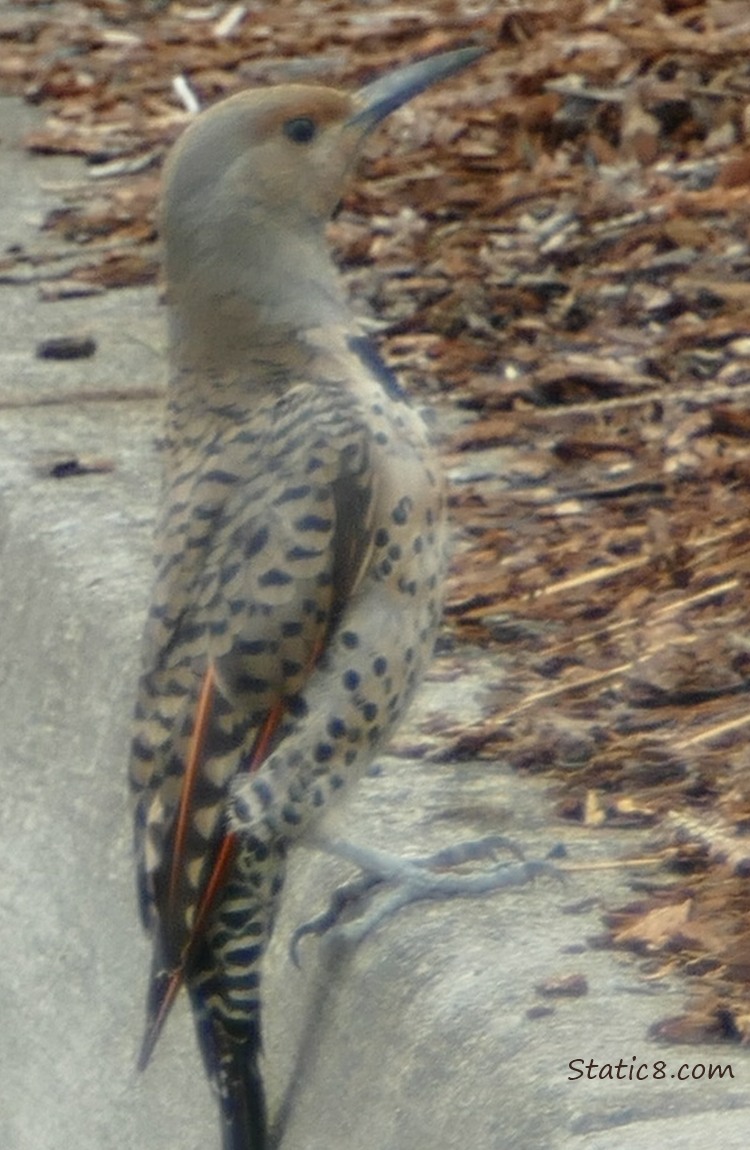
269 561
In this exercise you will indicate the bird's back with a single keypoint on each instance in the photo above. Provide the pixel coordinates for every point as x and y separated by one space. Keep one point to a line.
313 522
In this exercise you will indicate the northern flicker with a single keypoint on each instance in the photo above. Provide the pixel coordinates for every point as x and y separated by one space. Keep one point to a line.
300 552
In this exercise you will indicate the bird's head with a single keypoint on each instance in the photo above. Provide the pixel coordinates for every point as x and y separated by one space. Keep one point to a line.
252 182
284 153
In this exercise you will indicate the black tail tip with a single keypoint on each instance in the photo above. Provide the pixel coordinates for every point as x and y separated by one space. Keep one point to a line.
243 1103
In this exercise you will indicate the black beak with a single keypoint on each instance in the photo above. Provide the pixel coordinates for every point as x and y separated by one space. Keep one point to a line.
377 100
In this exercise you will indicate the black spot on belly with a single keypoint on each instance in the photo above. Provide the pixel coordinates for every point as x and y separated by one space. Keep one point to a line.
256 542
400 513
275 578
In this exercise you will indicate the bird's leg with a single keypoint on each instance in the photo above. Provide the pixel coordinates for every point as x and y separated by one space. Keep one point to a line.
413 880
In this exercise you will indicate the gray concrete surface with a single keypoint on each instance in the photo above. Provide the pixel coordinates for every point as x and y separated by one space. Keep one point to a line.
421 1037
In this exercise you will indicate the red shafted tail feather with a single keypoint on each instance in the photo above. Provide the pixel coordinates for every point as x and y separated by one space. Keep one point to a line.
173 980
197 743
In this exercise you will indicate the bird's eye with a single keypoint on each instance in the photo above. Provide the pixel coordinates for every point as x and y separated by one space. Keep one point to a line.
301 130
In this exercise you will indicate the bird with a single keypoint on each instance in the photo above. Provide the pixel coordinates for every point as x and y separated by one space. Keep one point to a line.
300 552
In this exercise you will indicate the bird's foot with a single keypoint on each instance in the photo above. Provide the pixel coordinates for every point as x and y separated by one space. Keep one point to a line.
413 880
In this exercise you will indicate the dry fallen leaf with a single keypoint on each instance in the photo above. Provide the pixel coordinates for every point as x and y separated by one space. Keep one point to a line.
656 928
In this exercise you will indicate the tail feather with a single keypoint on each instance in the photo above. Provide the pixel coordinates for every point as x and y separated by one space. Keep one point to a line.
243 1105
232 1066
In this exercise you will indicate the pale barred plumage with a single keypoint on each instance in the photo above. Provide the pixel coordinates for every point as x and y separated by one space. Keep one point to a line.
300 554
301 530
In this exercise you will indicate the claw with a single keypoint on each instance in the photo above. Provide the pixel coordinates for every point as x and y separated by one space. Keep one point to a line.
342 897
471 851
415 880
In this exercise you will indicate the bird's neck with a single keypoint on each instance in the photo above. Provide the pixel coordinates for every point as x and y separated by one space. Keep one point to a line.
249 319
224 348
245 329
